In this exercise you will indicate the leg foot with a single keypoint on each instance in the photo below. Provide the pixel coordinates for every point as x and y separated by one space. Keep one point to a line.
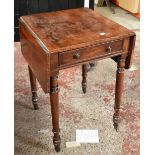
57 148
84 87
116 128
36 107
56 143
116 120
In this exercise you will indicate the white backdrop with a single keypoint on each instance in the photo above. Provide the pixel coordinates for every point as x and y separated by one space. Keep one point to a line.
86 3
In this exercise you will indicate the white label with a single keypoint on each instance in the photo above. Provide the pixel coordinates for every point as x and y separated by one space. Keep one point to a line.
72 144
87 136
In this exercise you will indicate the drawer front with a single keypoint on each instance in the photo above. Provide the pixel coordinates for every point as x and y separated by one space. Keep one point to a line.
79 55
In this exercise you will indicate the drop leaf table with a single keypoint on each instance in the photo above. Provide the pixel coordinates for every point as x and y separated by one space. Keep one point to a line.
57 40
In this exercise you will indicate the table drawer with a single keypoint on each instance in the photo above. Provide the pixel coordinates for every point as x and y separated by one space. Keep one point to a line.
75 56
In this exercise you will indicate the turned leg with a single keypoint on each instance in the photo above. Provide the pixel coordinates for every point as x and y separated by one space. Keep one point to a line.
118 91
84 78
54 99
33 89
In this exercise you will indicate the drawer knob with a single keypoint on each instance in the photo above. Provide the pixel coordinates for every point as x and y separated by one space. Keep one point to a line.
109 49
76 56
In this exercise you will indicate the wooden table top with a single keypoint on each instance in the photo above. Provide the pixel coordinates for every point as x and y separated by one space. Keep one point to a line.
71 29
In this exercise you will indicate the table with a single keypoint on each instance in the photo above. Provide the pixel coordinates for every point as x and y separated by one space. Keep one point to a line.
57 40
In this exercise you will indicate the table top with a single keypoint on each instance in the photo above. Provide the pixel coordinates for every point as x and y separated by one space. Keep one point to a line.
71 29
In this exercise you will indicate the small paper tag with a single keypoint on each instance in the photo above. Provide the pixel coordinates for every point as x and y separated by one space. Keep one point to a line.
72 144
87 136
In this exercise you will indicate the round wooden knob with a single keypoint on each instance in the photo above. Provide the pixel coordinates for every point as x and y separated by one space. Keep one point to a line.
76 56
109 49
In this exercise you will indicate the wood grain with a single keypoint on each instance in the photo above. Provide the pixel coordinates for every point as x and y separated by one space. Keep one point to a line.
71 29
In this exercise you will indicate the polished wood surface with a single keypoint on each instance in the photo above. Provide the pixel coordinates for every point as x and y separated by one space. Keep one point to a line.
25 7
54 41
72 29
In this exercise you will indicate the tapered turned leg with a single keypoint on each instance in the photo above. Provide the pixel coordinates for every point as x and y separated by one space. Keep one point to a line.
84 78
54 99
33 89
118 91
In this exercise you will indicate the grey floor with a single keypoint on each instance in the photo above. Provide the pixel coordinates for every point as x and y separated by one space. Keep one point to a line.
121 16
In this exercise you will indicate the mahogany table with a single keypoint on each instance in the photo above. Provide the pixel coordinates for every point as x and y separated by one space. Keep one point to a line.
57 40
